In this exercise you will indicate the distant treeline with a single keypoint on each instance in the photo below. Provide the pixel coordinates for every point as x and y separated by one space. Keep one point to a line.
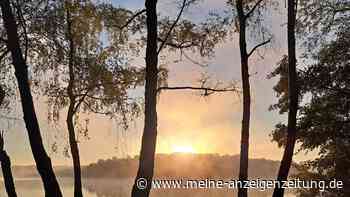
184 166
177 165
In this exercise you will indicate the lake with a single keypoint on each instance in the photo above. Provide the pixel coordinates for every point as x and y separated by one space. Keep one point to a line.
117 188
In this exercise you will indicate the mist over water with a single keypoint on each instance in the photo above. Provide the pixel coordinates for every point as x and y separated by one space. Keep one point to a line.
115 177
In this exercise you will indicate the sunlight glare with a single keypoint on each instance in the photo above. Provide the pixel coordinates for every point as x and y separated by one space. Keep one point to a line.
183 149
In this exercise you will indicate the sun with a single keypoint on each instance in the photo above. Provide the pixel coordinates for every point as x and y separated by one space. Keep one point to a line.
183 149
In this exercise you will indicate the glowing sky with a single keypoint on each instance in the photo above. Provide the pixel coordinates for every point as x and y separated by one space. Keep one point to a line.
205 125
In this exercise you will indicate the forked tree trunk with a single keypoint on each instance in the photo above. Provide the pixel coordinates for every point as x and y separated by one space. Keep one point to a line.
149 138
244 154
42 160
74 148
293 100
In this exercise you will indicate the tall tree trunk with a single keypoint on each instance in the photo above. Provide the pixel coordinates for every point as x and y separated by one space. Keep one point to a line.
42 160
5 161
71 111
7 174
75 153
293 100
149 138
244 155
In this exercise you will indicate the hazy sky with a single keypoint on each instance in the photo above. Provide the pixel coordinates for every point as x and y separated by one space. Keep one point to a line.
208 125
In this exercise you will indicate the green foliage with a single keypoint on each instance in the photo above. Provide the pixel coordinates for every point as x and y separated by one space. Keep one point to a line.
324 121
102 76
196 38
318 19
281 88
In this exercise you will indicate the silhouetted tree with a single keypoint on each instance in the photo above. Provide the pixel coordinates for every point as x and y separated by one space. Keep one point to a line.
76 70
72 104
149 137
245 15
41 158
5 159
323 120
292 101
176 35
6 168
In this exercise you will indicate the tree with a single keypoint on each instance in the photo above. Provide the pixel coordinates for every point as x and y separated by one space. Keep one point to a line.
149 137
5 159
323 121
292 101
6 169
85 75
72 105
41 158
178 35
244 17
320 25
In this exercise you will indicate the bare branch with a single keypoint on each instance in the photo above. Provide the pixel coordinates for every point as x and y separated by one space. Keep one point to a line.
257 46
178 46
250 12
207 91
132 18
172 27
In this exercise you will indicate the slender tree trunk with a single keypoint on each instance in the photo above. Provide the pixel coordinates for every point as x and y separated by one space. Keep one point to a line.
75 154
293 100
244 155
149 138
7 174
42 160
5 161
71 111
